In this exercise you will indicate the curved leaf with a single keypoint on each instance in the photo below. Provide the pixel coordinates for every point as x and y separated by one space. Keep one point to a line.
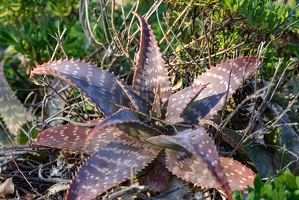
96 83
12 110
150 71
127 122
72 137
212 99
190 149
179 101
110 166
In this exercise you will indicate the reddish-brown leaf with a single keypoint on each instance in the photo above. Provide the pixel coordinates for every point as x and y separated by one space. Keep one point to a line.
238 175
212 99
127 122
193 170
156 177
193 150
179 101
150 71
110 166
72 137
96 83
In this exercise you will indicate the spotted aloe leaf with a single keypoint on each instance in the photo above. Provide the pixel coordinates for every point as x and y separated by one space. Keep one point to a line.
98 84
126 121
110 166
213 98
12 110
179 101
73 137
199 156
238 175
191 147
150 73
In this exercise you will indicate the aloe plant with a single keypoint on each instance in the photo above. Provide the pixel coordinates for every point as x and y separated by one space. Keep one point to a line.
146 122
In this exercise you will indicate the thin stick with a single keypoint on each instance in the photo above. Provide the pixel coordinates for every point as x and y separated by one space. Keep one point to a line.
176 21
27 180
58 38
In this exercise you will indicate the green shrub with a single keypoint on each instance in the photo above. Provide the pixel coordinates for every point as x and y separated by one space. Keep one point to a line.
284 186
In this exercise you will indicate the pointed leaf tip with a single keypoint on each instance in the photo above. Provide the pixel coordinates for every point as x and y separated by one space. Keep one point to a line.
212 99
150 71
192 156
71 137
96 83
238 175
